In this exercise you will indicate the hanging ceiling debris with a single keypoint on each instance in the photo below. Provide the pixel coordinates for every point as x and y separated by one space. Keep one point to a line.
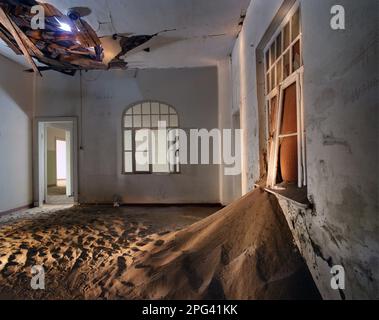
129 43
66 44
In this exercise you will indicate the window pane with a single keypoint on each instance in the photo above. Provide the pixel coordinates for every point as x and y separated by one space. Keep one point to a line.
295 26
128 122
160 163
296 63
286 36
289 118
154 121
286 65
173 150
288 160
273 53
172 111
279 72
142 162
137 109
267 60
165 119
279 45
154 108
137 121
268 84
130 111
128 140
128 162
272 116
174 121
272 78
146 121
146 108
164 109
142 140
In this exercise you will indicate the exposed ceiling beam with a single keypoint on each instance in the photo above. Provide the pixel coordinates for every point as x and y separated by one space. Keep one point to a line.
4 19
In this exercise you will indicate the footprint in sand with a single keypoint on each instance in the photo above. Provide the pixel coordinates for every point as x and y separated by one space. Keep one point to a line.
159 243
121 263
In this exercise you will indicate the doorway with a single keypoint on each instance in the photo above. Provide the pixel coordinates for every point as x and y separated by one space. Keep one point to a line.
55 162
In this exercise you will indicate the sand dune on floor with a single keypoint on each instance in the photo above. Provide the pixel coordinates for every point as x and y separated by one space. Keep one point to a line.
244 251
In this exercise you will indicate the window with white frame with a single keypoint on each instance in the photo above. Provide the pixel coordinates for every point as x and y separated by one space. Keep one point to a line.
284 104
150 139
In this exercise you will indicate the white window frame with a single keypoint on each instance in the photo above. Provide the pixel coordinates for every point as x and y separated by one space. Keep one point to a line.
173 169
297 77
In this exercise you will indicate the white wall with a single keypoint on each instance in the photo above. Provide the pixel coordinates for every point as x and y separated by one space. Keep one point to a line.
341 115
193 92
16 100
225 122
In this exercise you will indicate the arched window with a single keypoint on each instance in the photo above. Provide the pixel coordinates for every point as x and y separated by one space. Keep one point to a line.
150 138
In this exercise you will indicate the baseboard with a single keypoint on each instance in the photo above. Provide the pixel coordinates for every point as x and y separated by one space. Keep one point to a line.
2 213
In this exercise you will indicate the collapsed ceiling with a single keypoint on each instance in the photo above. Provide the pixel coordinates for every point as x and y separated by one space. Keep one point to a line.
108 34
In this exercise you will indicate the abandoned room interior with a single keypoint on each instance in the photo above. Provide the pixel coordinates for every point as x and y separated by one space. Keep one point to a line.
219 149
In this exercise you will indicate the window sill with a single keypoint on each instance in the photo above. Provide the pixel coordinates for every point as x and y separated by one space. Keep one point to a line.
298 196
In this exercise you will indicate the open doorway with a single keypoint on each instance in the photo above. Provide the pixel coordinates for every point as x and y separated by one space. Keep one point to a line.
55 167
61 152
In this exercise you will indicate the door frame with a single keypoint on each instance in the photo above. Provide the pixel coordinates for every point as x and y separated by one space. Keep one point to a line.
39 157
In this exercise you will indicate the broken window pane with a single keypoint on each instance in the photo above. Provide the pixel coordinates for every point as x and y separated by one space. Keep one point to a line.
128 162
295 25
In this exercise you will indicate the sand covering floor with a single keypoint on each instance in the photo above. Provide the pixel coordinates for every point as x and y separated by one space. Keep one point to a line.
244 251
